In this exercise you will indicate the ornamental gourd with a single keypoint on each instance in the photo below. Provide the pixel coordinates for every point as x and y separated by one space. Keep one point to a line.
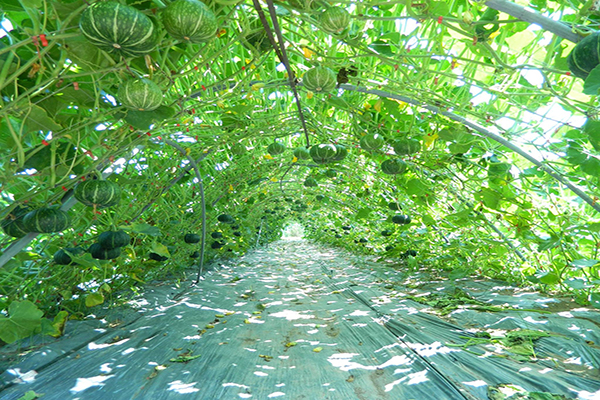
113 239
322 153
393 167
190 21
585 56
319 80
140 94
335 20
46 220
118 29
98 193
372 142
301 153
406 146
275 149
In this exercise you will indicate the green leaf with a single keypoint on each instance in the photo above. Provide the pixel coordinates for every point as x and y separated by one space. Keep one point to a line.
160 249
592 130
584 263
595 300
144 228
30 395
94 299
56 327
591 166
363 213
592 82
24 319
489 197
548 278
548 243
36 119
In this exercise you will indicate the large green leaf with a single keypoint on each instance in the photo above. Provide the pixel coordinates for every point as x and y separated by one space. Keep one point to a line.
24 319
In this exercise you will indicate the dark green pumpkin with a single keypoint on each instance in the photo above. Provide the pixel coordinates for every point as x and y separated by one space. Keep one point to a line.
393 167
216 245
99 193
100 253
331 173
191 238
195 254
237 233
113 239
406 146
394 206
585 56
320 197
226 219
386 233
401 219
13 224
46 220
216 235
310 182
238 149
362 240
63 256
157 257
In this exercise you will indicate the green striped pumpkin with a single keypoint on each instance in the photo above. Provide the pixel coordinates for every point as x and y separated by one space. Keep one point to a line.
46 220
140 94
322 153
585 56
372 142
393 167
335 20
238 149
301 153
190 21
275 149
13 224
113 239
310 182
118 28
331 173
319 80
406 146
340 152
98 193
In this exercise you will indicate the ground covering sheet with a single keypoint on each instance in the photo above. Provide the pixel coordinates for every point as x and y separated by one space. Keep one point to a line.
297 320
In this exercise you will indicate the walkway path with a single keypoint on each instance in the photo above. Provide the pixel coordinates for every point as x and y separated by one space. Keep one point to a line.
300 321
